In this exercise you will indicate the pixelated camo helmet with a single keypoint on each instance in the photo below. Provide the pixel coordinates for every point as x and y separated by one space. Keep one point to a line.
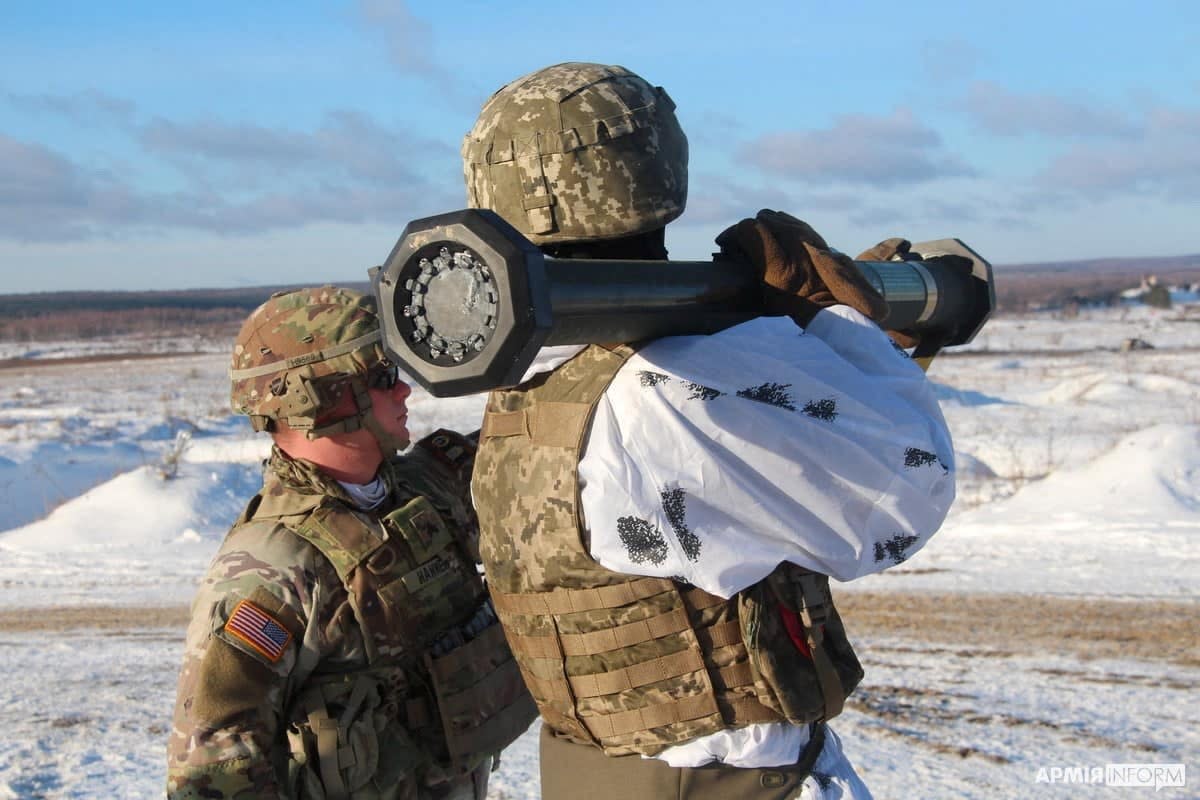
576 152
296 347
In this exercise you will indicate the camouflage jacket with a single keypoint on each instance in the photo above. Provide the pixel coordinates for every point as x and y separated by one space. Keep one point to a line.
291 635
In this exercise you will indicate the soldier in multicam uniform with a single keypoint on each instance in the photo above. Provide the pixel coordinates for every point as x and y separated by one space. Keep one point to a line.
659 520
341 643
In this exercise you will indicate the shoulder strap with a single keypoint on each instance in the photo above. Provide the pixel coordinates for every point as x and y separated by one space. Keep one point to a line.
561 423
344 539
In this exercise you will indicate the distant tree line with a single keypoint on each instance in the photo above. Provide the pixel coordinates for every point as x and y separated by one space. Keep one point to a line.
1018 291
82 323
52 316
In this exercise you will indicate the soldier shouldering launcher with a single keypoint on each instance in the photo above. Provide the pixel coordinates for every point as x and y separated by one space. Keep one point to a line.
659 520
341 637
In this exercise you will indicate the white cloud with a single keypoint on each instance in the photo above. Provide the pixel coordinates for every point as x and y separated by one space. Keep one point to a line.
1002 112
887 151
1164 162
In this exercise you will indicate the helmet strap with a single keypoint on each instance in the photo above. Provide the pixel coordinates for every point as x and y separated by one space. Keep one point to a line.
364 417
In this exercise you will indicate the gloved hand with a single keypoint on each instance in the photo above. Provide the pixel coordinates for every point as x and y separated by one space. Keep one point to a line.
887 250
897 248
801 275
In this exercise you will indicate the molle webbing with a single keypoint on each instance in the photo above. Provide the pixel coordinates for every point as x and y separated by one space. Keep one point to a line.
565 601
550 661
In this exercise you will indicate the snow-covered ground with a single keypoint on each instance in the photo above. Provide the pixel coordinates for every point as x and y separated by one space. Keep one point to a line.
1081 482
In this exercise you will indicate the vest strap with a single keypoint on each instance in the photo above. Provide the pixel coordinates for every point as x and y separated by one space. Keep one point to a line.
698 599
620 680
814 613
655 716
326 730
552 690
534 646
747 710
832 692
735 676
631 633
566 724
565 601
720 635
503 423
548 424
555 424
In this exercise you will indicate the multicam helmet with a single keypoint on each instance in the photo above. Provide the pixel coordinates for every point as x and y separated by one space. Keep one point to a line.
297 353
578 151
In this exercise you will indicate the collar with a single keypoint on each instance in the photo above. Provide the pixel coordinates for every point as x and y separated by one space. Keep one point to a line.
294 486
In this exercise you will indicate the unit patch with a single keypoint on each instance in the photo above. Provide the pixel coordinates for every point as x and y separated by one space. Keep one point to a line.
260 630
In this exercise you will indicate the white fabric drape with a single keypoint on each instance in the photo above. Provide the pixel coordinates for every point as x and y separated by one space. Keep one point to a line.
711 459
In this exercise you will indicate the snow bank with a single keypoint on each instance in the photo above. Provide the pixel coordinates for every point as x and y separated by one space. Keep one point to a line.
1124 524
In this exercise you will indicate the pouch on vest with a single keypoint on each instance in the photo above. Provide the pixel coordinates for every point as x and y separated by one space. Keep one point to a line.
481 697
802 686
434 589
343 739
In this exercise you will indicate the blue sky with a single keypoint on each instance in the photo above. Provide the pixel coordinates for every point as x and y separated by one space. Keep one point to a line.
184 144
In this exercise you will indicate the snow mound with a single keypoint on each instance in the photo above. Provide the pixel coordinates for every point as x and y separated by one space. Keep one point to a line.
1151 475
138 509
1125 524
1109 389
135 539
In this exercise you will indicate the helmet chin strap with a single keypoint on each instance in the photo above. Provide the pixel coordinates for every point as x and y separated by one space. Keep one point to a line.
363 418
389 443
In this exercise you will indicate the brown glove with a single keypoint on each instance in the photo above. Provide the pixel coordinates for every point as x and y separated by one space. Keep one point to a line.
800 273
887 250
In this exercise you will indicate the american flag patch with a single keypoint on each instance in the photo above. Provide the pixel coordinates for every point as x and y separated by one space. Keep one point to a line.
258 629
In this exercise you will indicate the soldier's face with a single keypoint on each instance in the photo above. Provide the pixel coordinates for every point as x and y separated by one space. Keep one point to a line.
391 408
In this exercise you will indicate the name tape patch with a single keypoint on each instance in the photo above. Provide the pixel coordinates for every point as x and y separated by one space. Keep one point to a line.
258 629
432 570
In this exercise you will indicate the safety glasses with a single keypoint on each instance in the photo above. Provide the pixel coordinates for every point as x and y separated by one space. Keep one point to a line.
383 378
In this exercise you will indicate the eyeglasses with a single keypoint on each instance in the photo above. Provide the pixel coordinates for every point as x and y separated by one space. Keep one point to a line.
383 378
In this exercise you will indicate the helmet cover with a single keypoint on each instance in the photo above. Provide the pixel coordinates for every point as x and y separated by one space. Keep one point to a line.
297 344
578 151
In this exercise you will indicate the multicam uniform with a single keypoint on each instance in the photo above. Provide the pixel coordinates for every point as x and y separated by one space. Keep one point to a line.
326 652
341 643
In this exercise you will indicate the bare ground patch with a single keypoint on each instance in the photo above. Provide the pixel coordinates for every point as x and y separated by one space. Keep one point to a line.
95 358
968 624
1089 628
111 619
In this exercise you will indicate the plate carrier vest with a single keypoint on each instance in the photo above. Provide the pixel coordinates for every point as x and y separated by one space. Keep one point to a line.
409 584
632 665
